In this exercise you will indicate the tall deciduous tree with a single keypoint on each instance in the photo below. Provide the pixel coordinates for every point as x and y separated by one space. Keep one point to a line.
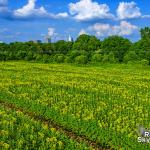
117 45
86 43
145 33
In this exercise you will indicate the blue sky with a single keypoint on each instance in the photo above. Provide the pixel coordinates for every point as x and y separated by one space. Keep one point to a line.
24 20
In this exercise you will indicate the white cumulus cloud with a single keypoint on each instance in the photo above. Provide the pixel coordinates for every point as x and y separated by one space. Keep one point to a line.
51 32
82 31
59 15
85 10
30 10
123 29
128 10
100 29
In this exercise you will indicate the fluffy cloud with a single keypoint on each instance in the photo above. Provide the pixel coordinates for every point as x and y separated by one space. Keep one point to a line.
128 10
85 10
57 16
62 15
30 10
100 29
51 32
124 29
82 32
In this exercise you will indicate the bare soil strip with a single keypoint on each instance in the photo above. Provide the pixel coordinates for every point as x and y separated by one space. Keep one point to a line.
60 128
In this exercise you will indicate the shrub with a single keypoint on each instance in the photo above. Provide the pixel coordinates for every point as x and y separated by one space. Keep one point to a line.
29 56
96 58
73 54
82 59
46 58
38 57
68 59
131 56
59 58
105 59
144 62
111 58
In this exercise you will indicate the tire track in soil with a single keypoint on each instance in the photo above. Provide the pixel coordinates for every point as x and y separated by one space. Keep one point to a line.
59 128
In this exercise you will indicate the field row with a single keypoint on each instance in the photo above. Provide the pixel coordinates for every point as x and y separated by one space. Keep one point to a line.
19 131
104 104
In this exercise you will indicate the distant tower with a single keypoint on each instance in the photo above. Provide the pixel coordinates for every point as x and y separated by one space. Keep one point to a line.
47 39
70 39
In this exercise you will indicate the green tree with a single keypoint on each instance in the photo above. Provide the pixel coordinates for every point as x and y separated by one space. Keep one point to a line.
144 62
68 59
59 58
87 43
142 49
130 56
97 58
82 59
145 33
46 58
29 56
117 45
62 47
111 58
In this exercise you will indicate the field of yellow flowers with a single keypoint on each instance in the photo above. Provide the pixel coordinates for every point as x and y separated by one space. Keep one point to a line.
18 131
105 104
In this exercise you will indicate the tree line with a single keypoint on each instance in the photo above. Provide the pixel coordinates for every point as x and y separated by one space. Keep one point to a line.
86 49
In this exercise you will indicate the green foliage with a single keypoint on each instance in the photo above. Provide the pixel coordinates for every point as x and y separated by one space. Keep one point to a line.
20 131
38 57
29 56
62 47
46 58
111 58
105 58
22 54
97 58
117 45
87 43
130 56
113 49
145 33
82 59
89 101
144 62
11 56
2 57
142 49
68 59
73 54
59 58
